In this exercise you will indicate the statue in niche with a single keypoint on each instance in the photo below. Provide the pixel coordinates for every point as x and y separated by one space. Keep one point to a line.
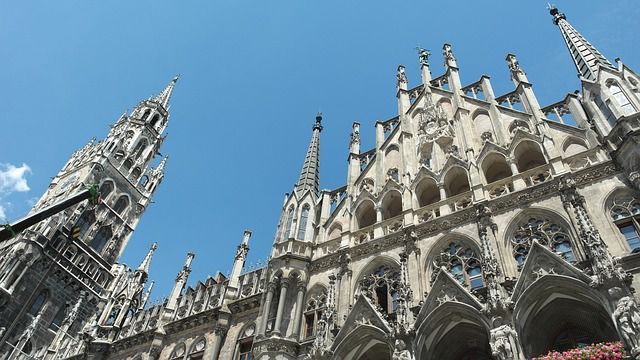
627 318
504 344
401 352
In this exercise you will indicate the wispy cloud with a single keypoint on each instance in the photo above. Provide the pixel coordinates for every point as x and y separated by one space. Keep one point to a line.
12 179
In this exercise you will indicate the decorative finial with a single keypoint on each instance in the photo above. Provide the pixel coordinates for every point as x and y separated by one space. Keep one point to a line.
557 15
423 55
401 76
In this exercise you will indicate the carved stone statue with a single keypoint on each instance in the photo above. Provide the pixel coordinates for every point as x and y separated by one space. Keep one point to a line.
401 75
627 317
400 352
504 343
423 54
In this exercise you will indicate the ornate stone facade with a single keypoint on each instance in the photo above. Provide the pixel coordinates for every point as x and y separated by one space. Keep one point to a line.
478 227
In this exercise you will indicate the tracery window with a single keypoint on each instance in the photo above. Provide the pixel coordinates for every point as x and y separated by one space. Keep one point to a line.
178 351
302 226
103 235
84 223
625 212
313 313
462 262
547 232
604 109
105 189
621 98
287 229
380 286
121 204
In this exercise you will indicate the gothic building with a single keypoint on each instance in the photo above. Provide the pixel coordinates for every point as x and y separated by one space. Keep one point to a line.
480 226
54 275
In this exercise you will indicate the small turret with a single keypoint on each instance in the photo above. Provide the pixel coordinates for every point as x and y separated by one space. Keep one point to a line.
309 179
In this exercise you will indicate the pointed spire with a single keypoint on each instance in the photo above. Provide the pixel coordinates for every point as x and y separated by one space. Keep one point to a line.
146 262
164 97
310 174
585 56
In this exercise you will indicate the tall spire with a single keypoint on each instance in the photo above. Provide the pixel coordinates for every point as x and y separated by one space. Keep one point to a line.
164 97
310 174
585 56
146 262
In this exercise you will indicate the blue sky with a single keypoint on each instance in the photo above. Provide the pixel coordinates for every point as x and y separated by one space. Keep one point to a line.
254 74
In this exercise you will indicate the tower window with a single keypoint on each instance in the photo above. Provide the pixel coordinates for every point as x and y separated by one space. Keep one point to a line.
287 230
302 226
85 221
146 114
121 205
128 164
313 313
621 99
154 120
140 147
39 302
625 213
103 235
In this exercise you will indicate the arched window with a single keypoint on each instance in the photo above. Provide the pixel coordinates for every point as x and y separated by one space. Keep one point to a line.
144 180
313 313
547 232
113 316
495 168
197 349
456 181
154 120
625 213
84 223
135 174
245 343
128 164
39 302
287 229
59 318
302 224
427 192
365 214
178 352
105 189
391 205
146 114
119 155
121 204
70 252
103 235
621 99
142 144
380 286
462 262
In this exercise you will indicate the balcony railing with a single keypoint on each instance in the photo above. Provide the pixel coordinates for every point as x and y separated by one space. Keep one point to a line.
293 247
582 160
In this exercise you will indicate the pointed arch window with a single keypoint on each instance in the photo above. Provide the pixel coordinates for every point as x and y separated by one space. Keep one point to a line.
103 235
59 318
128 164
245 343
119 155
313 313
38 302
140 147
197 349
121 205
86 220
380 286
146 114
178 351
625 213
105 189
113 316
302 226
462 262
135 174
154 120
546 232
287 229
621 98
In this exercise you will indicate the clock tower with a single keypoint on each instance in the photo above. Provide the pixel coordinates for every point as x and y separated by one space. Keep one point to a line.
67 261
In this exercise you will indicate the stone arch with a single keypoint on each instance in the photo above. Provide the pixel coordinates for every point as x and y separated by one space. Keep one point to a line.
392 161
335 231
550 228
495 167
447 108
365 214
528 155
106 188
378 261
365 342
179 350
427 192
314 304
197 348
572 146
559 313
456 181
451 331
391 204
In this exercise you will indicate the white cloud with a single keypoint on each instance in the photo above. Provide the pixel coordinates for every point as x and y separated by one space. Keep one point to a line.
12 178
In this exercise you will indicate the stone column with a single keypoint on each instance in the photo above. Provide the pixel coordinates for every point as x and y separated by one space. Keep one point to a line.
518 183
299 304
219 332
271 288
284 284
444 209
